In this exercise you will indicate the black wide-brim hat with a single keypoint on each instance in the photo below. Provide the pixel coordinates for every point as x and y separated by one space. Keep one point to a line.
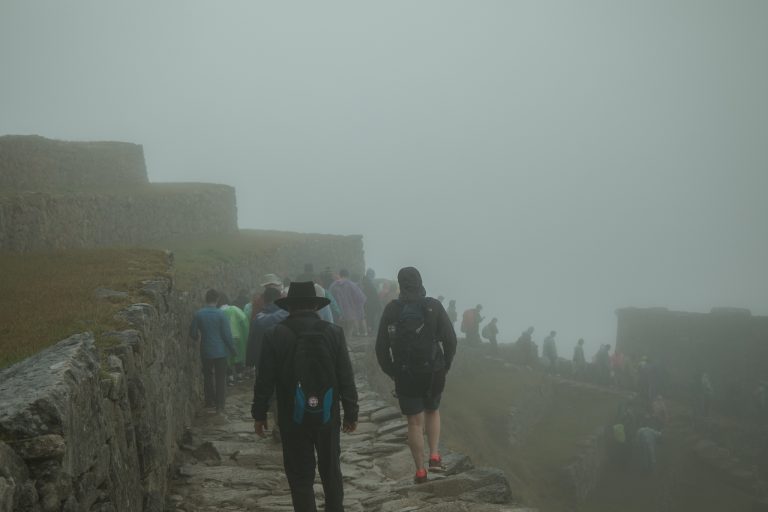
302 294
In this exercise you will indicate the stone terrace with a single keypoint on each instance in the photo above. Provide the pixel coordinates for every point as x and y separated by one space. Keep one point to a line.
223 465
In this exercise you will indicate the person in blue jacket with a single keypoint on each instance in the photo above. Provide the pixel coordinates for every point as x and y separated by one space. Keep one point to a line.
210 327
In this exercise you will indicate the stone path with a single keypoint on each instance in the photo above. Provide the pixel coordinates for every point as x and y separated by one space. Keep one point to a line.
224 466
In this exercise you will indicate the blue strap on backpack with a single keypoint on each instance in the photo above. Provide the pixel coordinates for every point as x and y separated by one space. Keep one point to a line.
314 373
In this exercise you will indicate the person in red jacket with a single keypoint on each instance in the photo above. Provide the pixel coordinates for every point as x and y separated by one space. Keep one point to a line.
470 324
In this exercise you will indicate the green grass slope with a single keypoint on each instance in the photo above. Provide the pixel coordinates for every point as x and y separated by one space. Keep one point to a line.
45 297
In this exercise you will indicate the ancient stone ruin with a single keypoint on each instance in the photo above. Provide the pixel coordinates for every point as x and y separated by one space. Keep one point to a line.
730 344
66 195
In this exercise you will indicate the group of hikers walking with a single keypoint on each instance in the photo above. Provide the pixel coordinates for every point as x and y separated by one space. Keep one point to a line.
293 336
296 344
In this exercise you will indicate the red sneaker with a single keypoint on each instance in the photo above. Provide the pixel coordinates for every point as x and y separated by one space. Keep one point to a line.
421 476
436 463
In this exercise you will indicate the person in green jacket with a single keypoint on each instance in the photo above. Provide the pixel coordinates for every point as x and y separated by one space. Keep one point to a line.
239 324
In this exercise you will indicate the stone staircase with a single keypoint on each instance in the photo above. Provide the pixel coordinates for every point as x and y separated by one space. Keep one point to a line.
224 466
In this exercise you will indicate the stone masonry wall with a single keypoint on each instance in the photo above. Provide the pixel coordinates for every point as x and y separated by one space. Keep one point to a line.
287 260
38 221
32 163
95 430
729 344
65 195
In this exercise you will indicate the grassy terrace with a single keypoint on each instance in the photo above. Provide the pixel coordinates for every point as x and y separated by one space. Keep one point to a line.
45 297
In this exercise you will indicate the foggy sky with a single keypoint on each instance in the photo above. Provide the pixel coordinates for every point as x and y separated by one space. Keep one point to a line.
553 160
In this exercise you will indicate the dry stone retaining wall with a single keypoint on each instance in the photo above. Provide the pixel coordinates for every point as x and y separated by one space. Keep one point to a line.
92 430
39 221
31 162
288 260
68 195
731 345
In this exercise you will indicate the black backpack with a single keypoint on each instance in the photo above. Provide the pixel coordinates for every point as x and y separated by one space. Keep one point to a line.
412 338
314 375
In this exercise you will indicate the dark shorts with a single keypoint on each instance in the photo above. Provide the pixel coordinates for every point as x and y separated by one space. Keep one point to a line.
420 392
410 406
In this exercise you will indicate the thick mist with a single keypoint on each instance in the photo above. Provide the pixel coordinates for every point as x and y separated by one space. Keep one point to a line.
551 160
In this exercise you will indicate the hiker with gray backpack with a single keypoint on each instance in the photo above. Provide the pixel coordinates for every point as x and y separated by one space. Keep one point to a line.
415 347
305 362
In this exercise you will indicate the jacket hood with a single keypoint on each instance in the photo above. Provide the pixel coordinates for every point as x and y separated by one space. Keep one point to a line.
411 287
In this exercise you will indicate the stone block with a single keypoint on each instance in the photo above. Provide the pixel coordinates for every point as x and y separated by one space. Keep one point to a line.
396 465
401 505
397 425
11 464
206 452
379 449
495 493
48 446
140 316
385 414
491 481
7 493
454 463
46 408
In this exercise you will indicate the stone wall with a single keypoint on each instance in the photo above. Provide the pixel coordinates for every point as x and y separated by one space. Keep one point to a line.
95 430
66 195
730 344
38 221
286 260
32 163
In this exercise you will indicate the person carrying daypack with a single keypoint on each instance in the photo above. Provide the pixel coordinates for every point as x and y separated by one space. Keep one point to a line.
305 361
415 346
470 324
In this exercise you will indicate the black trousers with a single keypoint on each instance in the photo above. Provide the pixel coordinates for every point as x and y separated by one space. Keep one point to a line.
299 448
215 381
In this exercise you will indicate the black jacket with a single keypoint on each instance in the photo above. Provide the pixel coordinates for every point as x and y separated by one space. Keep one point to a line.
444 334
276 369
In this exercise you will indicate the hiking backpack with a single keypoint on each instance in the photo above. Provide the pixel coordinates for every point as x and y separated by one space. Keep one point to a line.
314 376
412 337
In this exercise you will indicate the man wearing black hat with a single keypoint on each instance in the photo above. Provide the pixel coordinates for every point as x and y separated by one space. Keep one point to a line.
309 421
415 346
